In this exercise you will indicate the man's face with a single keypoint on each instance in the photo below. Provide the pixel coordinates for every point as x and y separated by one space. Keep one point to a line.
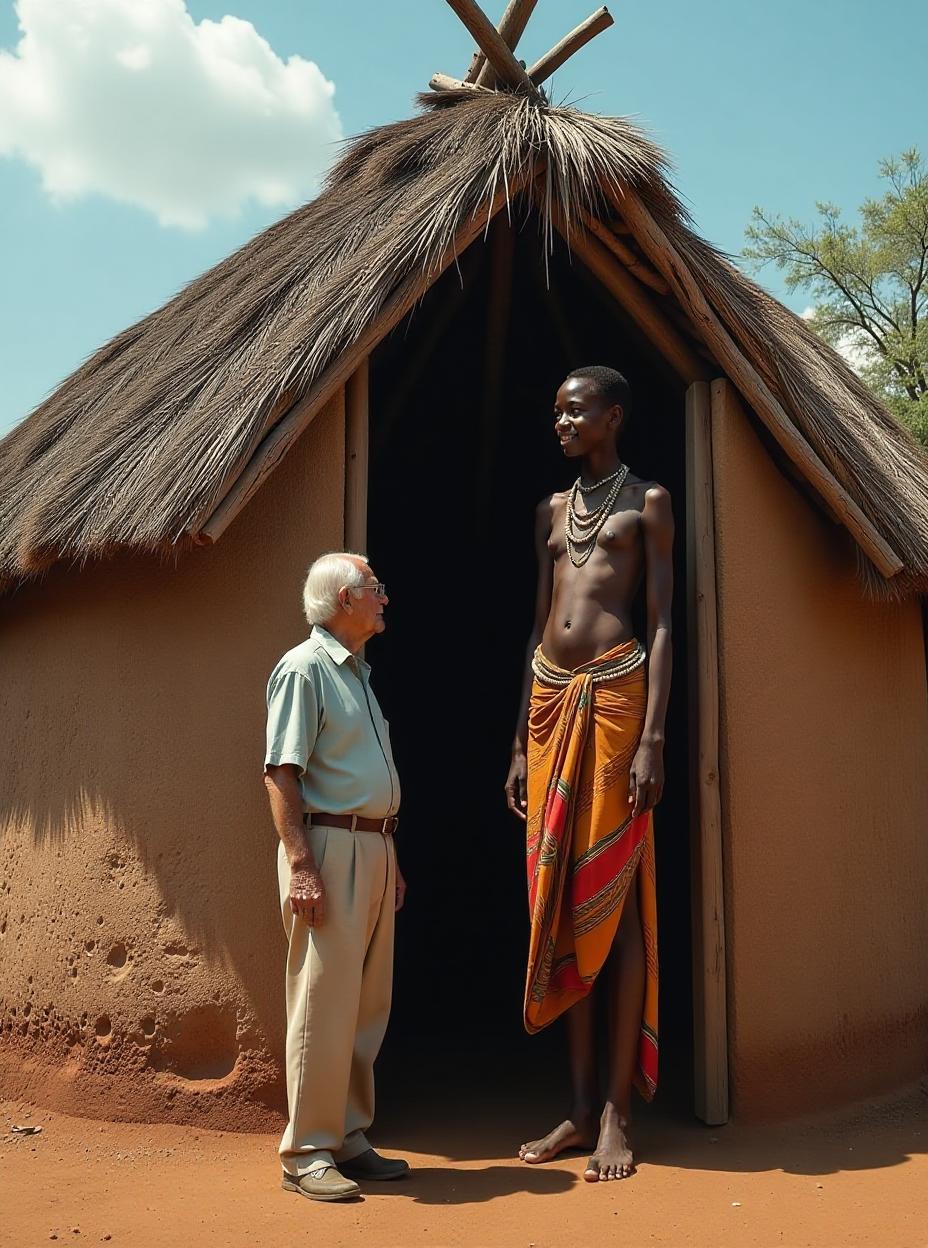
582 417
367 605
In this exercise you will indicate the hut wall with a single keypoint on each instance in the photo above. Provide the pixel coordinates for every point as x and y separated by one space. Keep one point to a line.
140 939
824 740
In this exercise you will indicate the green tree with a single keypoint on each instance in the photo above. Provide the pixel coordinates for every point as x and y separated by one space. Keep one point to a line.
869 283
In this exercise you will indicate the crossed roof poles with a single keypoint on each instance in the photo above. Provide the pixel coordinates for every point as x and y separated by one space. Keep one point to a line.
495 66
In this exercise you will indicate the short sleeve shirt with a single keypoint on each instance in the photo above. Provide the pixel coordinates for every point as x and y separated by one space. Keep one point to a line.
323 717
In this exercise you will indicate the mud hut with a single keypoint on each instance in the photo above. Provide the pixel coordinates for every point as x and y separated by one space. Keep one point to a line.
376 371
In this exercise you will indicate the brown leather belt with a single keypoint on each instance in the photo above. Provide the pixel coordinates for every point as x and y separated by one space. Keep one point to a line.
354 823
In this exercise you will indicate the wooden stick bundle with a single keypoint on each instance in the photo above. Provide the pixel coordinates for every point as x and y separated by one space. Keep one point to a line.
511 26
497 52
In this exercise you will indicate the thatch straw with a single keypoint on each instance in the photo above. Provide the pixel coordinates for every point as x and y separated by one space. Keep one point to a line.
137 446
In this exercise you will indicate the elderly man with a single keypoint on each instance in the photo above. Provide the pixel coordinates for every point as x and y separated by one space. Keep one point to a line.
334 795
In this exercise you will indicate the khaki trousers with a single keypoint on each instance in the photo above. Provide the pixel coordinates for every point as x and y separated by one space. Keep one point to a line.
339 986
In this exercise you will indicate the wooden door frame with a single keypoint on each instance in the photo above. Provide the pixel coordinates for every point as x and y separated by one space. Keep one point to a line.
357 450
710 1021
710 1006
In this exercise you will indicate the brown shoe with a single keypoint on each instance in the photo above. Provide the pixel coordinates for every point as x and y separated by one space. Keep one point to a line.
323 1184
371 1165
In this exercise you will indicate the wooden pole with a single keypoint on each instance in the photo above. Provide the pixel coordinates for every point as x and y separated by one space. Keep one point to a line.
511 25
710 1009
679 318
623 252
601 20
278 441
488 38
664 256
631 295
637 341
477 62
443 82
357 425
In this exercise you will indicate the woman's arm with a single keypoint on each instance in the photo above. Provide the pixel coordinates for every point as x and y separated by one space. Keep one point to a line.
646 781
516 795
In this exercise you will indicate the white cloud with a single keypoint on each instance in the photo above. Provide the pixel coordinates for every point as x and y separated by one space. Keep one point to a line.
134 100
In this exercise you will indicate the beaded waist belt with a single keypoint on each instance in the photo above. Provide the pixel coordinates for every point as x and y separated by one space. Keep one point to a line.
557 678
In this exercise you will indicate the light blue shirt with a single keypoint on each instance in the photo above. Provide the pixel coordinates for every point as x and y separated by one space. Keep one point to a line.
323 717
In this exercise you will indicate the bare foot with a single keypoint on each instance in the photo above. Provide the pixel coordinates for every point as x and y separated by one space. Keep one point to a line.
567 1135
613 1157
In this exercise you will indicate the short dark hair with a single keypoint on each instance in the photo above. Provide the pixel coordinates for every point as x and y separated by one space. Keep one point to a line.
609 382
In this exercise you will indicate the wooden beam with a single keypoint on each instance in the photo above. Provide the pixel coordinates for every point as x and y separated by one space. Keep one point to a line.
443 82
278 441
684 361
679 317
357 433
511 25
635 264
710 1009
477 62
682 318
664 256
488 38
601 20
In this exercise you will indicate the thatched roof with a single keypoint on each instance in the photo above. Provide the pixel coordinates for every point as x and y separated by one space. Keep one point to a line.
136 448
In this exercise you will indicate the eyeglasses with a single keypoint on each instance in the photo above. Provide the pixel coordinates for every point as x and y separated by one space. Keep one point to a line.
377 588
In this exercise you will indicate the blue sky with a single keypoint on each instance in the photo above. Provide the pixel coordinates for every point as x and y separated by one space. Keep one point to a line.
773 104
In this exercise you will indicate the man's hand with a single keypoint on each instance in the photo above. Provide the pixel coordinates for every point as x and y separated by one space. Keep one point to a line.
400 890
307 895
646 779
516 790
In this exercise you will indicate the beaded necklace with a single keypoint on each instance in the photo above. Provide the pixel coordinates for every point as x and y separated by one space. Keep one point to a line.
581 529
596 485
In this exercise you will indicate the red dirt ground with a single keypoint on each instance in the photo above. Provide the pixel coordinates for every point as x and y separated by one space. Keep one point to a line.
836 1183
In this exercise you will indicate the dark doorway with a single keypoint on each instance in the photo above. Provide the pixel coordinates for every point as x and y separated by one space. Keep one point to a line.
461 451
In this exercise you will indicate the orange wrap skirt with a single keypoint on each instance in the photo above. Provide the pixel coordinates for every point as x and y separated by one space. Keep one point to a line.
584 850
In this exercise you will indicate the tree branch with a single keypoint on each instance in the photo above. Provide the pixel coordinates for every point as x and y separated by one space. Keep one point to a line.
869 281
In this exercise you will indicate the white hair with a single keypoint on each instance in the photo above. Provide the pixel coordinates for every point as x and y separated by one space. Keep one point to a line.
326 576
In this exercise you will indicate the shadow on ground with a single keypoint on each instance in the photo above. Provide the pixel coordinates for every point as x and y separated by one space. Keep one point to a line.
471 1125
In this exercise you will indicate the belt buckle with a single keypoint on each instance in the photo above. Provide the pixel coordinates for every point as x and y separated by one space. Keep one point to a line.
389 825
